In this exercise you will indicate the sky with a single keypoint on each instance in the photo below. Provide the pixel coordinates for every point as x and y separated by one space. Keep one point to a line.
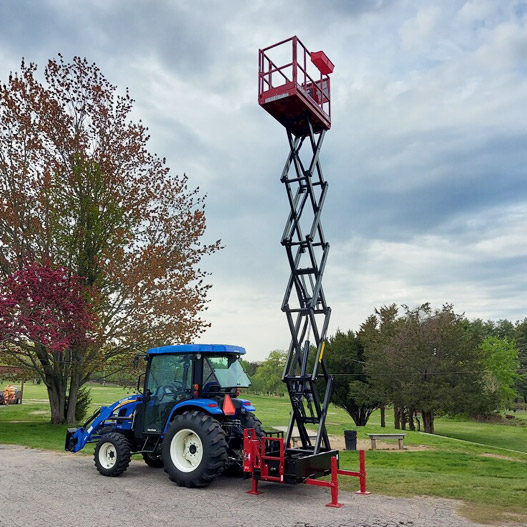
426 159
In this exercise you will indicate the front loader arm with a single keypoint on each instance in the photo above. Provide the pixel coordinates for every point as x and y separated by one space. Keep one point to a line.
120 412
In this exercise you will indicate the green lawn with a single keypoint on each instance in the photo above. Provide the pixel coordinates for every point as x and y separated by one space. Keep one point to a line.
28 424
512 436
483 464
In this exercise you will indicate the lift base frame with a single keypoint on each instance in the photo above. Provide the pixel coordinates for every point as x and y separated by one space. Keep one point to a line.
267 459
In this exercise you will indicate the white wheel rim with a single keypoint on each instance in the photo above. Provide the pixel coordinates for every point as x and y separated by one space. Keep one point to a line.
107 455
186 450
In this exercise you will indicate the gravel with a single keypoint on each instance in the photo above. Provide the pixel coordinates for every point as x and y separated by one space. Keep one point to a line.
44 488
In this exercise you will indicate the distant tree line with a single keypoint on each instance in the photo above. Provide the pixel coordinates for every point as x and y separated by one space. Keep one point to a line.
421 362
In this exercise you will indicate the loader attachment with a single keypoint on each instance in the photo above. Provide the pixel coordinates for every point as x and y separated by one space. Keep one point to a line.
115 417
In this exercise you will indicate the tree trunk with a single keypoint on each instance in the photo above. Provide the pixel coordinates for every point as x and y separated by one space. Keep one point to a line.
57 400
396 418
51 371
402 417
359 414
383 417
411 423
54 405
418 422
428 421
72 400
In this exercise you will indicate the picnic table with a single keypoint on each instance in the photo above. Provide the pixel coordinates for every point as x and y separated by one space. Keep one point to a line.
374 437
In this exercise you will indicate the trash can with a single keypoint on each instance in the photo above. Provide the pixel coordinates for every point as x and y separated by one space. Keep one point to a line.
350 437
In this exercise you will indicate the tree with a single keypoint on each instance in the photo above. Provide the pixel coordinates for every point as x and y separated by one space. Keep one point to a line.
374 334
344 358
268 376
501 363
250 368
430 364
79 189
520 337
444 362
44 316
503 329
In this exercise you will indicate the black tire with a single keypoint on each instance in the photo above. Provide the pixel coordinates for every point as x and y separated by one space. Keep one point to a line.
112 454
152 460
234 466
194 449
249 420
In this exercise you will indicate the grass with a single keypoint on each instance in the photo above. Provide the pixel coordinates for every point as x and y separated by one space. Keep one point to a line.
482 463
28 424
512 436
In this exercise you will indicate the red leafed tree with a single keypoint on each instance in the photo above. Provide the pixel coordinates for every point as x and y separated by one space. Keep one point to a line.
45 319
79 189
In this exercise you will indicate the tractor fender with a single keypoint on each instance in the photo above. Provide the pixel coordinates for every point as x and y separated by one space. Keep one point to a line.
244 404
208 406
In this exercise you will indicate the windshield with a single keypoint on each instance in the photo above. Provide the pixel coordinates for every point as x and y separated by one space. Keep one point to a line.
227 371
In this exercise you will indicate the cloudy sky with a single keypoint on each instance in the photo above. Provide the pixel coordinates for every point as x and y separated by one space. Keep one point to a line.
426 159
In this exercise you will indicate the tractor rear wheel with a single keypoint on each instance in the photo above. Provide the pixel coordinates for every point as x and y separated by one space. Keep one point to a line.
194 449
112 454
249 420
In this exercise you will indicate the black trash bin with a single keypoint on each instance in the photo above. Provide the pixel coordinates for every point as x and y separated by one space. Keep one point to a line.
350 437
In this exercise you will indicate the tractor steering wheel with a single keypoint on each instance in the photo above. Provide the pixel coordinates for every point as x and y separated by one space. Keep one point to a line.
169 389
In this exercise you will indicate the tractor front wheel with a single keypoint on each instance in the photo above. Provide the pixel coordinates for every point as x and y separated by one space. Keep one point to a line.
112 454
194 449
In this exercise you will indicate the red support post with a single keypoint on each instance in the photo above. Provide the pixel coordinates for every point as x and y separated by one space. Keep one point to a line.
361 474
251 458
334 485
362 477
254 486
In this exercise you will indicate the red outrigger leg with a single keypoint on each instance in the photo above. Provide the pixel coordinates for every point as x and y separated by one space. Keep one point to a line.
334 483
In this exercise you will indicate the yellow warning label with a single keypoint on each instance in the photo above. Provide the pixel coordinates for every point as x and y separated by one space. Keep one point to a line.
322 351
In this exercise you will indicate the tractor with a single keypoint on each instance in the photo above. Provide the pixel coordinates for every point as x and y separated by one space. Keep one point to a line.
188 419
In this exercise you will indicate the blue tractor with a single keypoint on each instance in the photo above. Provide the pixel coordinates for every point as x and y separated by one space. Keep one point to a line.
188 418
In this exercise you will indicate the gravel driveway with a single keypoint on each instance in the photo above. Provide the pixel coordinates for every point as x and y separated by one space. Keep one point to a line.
43 488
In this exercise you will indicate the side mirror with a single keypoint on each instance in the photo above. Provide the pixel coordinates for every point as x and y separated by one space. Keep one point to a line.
139 381
138 357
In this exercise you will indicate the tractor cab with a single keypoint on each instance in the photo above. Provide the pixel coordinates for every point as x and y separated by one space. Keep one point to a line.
207 377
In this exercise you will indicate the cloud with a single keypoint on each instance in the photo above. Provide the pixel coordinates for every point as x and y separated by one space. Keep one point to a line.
480 269
418 30
426 159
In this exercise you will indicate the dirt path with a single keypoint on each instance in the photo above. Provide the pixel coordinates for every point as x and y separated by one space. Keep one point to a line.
43 488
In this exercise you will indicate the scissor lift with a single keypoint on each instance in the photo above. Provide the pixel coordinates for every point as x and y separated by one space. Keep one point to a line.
297 94
294 87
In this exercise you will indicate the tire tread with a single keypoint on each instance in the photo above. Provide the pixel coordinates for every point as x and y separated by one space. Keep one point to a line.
214 445
123 454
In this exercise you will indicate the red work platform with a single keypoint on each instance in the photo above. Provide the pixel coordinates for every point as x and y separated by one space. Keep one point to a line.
296 92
